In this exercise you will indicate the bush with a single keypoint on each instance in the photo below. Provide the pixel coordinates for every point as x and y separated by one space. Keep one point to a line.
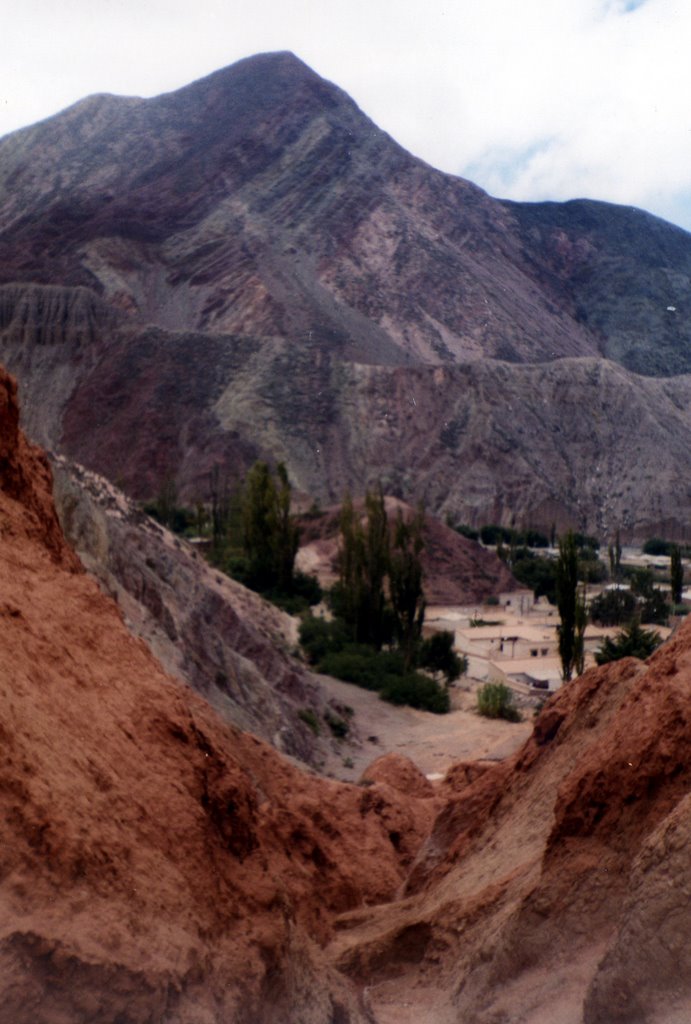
495 700
613 607
657 546
176 517
339 727
384 672
592 570
306 586
492 535
319 637
540 574
655 608
310 719
417 691
357 664
467 531
585 542
633 642
535 539
437 655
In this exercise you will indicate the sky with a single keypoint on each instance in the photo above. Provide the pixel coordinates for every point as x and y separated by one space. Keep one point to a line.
530 99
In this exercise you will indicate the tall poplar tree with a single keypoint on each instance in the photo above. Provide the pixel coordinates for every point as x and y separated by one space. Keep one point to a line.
567 603
364 565
270 536
405 584
676 574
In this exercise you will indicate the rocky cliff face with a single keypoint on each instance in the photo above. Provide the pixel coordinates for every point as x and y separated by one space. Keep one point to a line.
254 254
218 637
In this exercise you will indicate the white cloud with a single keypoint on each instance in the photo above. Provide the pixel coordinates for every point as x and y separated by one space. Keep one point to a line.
543 99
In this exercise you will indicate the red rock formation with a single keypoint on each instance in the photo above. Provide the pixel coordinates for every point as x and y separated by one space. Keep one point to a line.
154 862
555 883
456 570
158 865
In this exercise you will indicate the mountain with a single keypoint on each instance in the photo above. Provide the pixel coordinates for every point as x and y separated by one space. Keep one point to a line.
156 864
248 267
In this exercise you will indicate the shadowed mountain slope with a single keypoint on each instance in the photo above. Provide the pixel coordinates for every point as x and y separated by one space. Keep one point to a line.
249 267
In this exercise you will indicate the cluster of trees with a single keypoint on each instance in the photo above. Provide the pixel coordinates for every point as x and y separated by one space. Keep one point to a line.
252 533
562 581
640 602
375 636
378 604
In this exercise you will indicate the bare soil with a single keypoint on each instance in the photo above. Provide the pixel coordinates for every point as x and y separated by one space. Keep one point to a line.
432 742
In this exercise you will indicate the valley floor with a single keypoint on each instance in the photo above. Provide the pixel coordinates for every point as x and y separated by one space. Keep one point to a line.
432 742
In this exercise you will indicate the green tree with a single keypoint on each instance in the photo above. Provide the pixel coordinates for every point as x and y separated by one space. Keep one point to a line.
437 654
615 558
579 637
270 536
676 574
220 511
405 585
633 641
613 607
567 603
360 598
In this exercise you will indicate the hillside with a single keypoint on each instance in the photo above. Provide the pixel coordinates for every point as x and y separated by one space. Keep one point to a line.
249 267
157 864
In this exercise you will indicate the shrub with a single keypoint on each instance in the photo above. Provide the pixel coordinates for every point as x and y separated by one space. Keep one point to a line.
417 691
535 539
495 700
339 727
495 535
467 531
437 655
657 546
585 542
307 586
355 664
613 607
320 637
540 574
310 719
384 672
655 608
592 570
633 642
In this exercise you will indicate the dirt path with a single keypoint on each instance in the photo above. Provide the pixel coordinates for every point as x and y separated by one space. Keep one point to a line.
433 742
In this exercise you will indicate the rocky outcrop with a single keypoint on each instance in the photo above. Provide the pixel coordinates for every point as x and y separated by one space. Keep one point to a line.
156 862
554 882
224 641
254 254
25 477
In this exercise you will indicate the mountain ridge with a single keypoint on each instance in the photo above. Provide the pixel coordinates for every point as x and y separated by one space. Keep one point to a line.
272 267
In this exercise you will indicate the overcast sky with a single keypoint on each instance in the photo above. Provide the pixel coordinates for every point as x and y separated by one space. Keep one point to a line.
531 99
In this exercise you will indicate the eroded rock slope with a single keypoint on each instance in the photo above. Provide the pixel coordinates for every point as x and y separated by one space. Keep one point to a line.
156 863
249 267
